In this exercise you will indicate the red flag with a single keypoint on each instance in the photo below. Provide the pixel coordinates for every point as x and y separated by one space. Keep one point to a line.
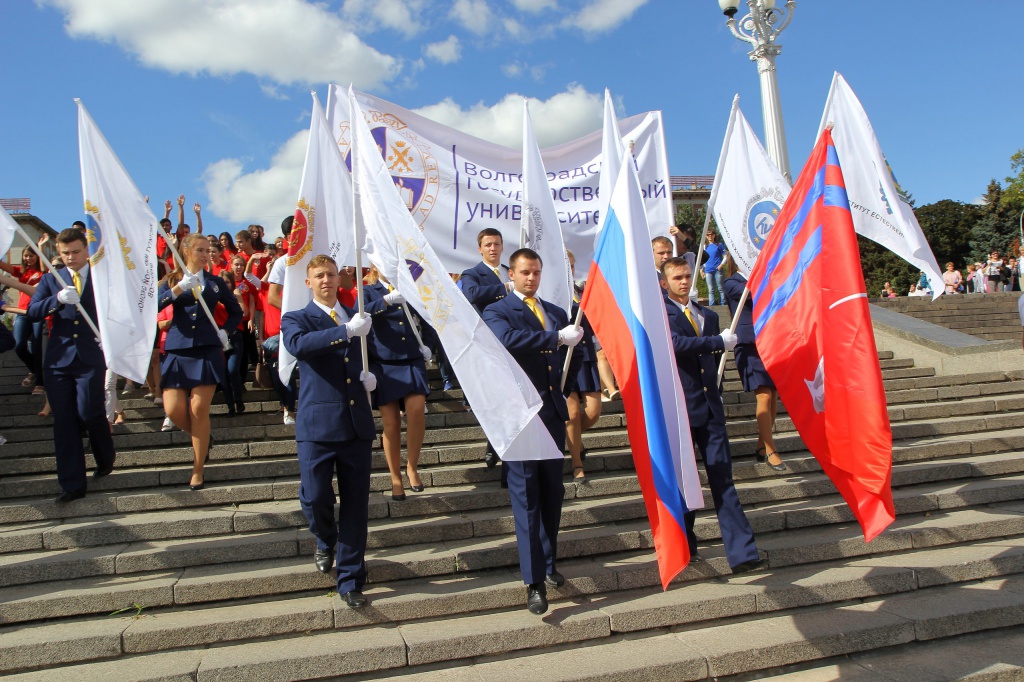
813 332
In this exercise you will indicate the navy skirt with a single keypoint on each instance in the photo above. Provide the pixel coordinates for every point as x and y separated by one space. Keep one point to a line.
588 380
190 367
751 369
395 380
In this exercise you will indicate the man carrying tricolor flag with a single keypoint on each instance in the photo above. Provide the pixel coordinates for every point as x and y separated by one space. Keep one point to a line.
814 335
626 309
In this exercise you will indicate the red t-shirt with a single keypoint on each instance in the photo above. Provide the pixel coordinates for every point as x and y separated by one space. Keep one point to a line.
165 314
30 277
347 297
271 314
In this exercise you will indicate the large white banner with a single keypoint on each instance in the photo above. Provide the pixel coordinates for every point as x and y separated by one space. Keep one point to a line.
455 184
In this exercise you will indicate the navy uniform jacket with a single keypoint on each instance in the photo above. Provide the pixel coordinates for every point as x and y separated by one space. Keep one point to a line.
697 358
392 337
332 401
733 288
482 287
585 348
190 327
535 349
70 336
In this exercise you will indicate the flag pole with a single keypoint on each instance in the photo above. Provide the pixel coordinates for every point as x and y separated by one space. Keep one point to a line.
732 329
568 356
700 249
202 302
360 300
60 280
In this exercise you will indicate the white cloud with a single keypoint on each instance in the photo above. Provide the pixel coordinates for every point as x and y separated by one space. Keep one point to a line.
262 195
599 16
447 51
473 15
534 5
286 41
272 91
399 15
513 70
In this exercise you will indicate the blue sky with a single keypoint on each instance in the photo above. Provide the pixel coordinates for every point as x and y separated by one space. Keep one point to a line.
210 98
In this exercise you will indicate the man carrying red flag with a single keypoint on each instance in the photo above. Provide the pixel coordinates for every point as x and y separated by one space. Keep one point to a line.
807 280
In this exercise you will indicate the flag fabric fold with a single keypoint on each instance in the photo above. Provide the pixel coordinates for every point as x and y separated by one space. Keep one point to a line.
121 233
540 225
8 230
323 223
624 304
879 205
813 333
748 192
611 156
503 398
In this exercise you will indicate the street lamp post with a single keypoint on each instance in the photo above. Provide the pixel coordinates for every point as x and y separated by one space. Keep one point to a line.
760 28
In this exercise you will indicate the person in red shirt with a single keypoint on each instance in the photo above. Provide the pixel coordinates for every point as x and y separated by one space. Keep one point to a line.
28 336
271 330
228 244
218 264
347 291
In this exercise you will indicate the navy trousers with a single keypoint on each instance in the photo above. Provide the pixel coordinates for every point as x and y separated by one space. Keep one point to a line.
76 399
318 462
536 491
737 534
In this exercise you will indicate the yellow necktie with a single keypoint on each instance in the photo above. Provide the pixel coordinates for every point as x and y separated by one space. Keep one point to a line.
77 280
334 316
496 273
532 304
689 316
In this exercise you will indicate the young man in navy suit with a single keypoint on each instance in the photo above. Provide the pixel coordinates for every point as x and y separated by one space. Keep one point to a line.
74 368
698 345
334 426
483 284
534 332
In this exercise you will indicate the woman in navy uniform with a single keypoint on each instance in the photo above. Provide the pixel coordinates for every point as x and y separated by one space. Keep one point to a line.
752 372
193 363
584 399
401 373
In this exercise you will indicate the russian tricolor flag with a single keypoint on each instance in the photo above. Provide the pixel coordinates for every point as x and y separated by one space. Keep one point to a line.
624 304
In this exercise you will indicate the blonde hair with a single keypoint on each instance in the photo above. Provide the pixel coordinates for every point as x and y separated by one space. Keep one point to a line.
187 245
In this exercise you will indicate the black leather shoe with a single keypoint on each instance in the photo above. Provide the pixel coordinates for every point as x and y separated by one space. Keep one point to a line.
100 473
416 488
491 458
536 599
70 496
324 560
354 599
555 579
696 559
748 566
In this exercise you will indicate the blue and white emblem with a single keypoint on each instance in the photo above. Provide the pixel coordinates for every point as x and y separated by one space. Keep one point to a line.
760 220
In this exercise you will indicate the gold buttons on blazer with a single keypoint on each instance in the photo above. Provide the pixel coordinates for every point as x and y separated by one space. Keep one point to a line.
349 380
351 402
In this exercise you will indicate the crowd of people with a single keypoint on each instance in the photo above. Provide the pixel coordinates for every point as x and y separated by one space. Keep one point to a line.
994 275
240 280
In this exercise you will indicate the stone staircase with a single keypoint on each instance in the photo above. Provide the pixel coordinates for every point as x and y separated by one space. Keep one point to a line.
147 580
992 317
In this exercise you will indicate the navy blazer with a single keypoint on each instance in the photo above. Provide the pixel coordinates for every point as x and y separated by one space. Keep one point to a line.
535 349
392 338
697 358
332 406
482 287
190 327
733 288
70 336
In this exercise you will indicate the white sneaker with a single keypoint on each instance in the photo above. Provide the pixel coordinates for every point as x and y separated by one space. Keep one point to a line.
128 388
2 439
289 418
158 400
168 425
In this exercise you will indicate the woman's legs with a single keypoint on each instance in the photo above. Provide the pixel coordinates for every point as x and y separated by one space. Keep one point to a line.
176 406
765 414
415 427
604 370
574 433
391 438
199 416
591 409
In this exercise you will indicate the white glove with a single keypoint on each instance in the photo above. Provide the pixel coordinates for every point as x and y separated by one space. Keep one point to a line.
223 336
359 325
394 298
570 335
190 281
69 296
426 353
369 381
729 339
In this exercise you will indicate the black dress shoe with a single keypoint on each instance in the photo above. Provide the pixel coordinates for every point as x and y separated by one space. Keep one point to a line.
536 598
490 458
696 558
416 488
100 473
400 497
555 579
70 496
324 560
748 566
239 408
354 599
197 487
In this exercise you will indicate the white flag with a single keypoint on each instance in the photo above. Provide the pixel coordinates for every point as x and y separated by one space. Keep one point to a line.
879 206
503 399
543 232
121 234
748 192
611 156
323 221
8 229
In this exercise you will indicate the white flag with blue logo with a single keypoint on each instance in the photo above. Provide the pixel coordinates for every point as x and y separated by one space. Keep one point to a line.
879 205
121 235
748 192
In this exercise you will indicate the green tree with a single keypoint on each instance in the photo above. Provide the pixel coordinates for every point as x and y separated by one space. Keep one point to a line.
996 227
1013 195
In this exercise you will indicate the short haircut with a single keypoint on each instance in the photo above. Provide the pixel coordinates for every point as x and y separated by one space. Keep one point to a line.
949 265
78 225
165 221
286 225
677 261
70 235
319 261
528 254
243 236
664 241
488 232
